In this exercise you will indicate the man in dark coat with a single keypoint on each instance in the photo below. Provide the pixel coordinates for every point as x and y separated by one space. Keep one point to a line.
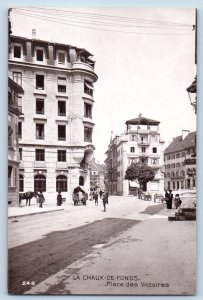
41 199
59 199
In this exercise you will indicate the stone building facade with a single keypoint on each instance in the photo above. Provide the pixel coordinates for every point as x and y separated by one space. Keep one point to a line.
56 128
180 162
140 143
14 111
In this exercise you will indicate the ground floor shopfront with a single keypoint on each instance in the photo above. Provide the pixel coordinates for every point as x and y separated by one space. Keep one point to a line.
51 170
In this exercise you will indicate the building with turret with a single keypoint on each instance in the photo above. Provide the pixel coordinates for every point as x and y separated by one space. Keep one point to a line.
140 143
56 127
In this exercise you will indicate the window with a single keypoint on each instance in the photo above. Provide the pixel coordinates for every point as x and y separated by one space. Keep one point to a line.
10 169
40 131
40 183
174 185
143 149
168 157
81 180
177 165
133 137
61 132
20 153
17 52
154 150
87 111
61 57
61 84
61 183
87 134
40 106
88 88
39 154
17 77
132 149
10 137
21 183
20 130
177 155
61 108
183 154
39 82
40 55
61 155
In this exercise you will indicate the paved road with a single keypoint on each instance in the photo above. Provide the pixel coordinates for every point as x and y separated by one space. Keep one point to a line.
42 245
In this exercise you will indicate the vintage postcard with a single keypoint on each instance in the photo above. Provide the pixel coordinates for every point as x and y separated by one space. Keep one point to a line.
102 151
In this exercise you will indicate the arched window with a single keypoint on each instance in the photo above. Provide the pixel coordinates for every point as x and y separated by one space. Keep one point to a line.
61 183
168 174
172 174
177 173
81 180
40 183
21 183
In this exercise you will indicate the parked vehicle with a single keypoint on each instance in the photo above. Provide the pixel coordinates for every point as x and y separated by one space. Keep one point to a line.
79 196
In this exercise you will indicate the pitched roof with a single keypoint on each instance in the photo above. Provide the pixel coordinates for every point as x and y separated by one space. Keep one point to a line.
142 120
179 145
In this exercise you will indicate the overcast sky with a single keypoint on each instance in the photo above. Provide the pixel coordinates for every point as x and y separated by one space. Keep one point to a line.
143 66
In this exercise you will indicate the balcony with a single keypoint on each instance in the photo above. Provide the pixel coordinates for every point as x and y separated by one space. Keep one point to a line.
82 66
143 143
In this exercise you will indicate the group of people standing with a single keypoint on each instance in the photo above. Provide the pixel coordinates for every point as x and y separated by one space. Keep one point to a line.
169 200
103 196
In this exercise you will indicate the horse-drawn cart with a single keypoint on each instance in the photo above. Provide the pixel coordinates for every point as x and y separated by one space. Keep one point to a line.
79 196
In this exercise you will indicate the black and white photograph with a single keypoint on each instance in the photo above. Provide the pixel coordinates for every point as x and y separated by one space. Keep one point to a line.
102 107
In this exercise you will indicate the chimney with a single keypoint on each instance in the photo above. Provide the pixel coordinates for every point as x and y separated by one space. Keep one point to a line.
184 134
34 34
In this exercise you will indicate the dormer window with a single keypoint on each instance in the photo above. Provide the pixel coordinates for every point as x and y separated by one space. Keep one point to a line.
40 55
17 51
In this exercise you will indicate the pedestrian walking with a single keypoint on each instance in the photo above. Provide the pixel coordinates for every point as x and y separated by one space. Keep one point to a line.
41 199
100 194
104 199
107 198
177 201
59 199
169 200
95 197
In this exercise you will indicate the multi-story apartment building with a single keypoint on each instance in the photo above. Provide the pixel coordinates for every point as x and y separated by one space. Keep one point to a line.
14 111
56 128
180 162
141 143
97 172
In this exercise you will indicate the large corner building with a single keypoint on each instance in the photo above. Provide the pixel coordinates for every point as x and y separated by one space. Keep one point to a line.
55 130
140 143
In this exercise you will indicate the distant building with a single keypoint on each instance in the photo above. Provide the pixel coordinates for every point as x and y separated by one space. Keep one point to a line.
141 143
14 111
97 173
56 128
180 162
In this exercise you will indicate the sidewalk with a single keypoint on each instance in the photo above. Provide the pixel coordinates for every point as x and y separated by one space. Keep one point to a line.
188 200
33 209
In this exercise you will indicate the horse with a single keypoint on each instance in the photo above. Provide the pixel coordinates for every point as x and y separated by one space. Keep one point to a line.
26 196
